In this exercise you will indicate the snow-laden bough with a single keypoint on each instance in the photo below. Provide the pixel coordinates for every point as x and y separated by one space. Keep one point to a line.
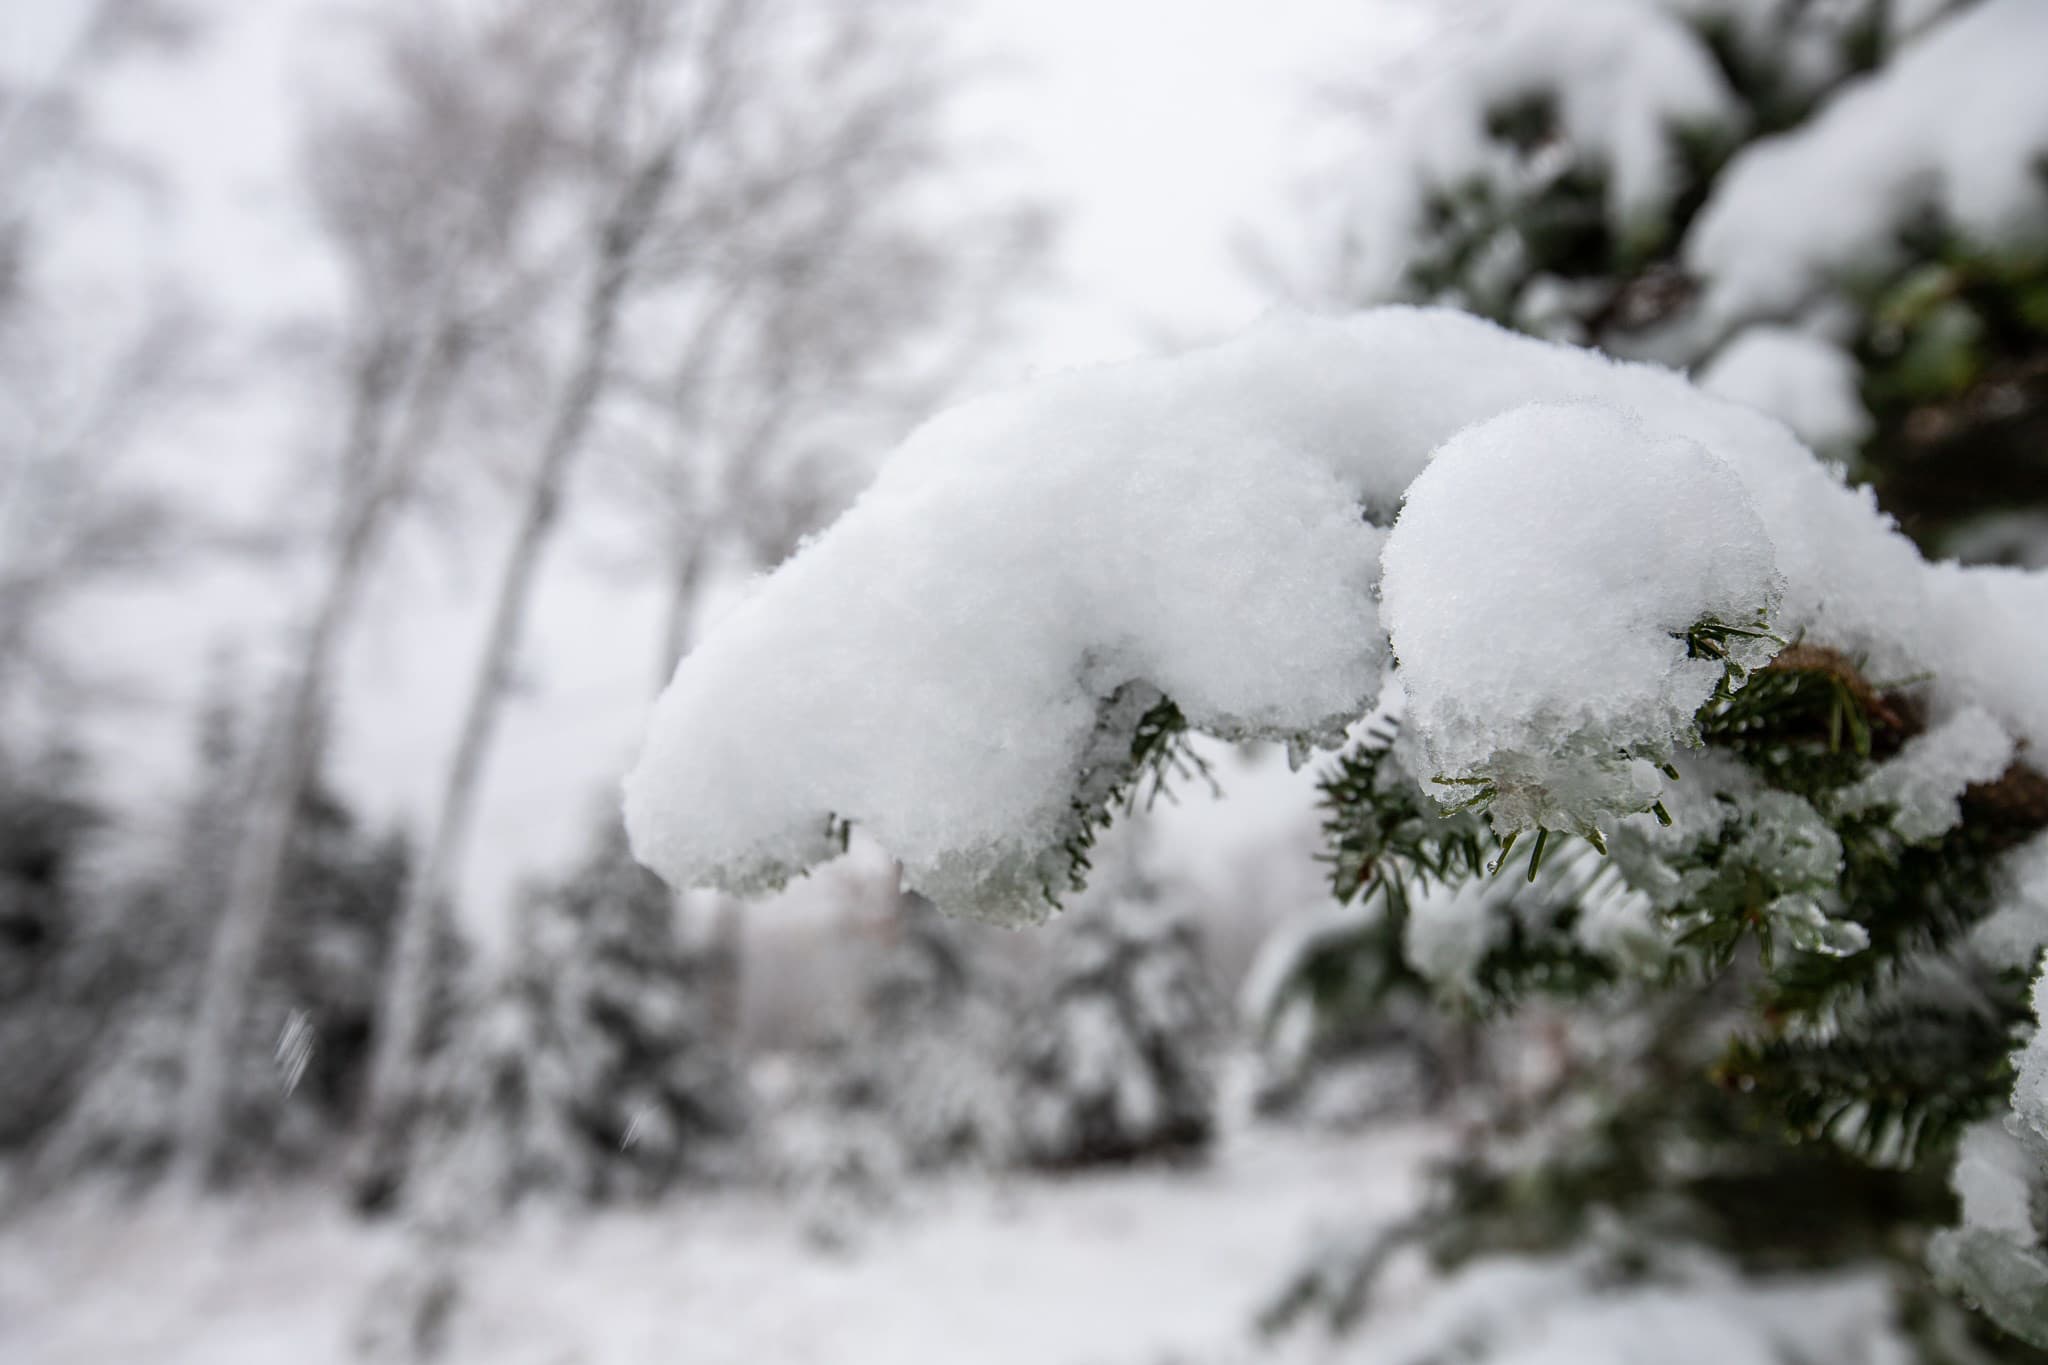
960 664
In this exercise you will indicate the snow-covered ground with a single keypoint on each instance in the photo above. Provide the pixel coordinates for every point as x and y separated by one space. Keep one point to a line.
1138 1267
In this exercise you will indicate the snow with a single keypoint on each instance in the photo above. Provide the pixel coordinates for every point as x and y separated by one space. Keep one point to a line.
2030 1087
1955 125
952 636
1453 928
1924 782
1808 383
1992 1178
1538 588
2015 933
1138 1266
1981 628
1576 1311
1622 74
1993 1257
963 656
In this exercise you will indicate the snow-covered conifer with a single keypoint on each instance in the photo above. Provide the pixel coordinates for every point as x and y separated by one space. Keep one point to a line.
593 1065
1120 1062
931 1058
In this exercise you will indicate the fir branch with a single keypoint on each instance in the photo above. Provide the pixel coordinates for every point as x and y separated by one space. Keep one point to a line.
1157 753
1896 1075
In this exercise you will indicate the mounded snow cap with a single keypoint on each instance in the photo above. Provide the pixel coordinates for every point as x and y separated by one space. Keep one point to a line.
959 664
1539 587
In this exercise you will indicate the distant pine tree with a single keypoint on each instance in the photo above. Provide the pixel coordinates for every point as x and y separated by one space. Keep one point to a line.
931 1056
594 1065
1121 1062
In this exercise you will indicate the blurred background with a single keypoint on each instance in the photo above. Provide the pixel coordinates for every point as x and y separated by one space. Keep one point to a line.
392 390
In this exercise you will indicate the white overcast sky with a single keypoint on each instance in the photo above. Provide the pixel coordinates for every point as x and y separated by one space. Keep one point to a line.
1158 127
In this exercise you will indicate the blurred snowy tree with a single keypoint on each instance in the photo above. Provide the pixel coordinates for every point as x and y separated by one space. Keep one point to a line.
594 1067
1810 205
427 184
932 1055
1119 1062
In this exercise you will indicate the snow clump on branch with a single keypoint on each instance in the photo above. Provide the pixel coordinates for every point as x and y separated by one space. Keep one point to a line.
961 666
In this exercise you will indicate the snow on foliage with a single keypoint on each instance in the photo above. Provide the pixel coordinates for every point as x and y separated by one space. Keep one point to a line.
1624 74
1957 124
960 664
1551 107
2015 933
1924 783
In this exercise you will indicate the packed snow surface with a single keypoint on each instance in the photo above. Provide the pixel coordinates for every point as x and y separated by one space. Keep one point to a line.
957 666
1136 1266
1566 1311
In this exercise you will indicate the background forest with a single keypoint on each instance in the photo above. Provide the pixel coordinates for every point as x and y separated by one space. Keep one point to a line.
391 394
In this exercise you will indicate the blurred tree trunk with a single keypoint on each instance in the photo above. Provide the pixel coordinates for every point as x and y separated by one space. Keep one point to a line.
426 188
384 394
408 981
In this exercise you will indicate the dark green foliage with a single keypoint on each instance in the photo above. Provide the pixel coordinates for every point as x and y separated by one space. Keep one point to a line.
1955 370
1791 1108
1640 1145
1911 1066
1381 833
1141 745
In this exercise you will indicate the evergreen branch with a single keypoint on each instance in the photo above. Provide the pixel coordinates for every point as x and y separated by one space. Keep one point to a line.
1896 1075
1158 752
